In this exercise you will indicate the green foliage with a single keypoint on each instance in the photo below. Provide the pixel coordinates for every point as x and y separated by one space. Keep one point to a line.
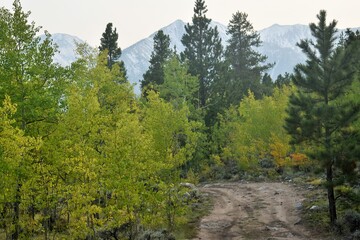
179 87
154 76
171 130
322 112
283 80
108 43
35 85
242 70
245 64
27 73
105 164
254 130
17 168
203 51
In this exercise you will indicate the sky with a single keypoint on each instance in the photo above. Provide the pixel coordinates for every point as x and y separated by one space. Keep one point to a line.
137 19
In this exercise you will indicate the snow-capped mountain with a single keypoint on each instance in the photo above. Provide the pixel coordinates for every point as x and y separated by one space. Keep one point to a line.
137 56
279 45
66 46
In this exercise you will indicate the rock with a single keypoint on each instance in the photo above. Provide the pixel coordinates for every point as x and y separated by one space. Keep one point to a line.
298 222
287 178
271 228
315 208
290 235
193 191
299 206
188 185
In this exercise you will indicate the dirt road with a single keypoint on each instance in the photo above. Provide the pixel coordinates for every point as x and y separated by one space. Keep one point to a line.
253 211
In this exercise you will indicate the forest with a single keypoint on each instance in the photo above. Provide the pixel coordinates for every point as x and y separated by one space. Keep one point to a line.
83 157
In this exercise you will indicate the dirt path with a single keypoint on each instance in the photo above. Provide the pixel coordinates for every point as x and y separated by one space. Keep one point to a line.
253 211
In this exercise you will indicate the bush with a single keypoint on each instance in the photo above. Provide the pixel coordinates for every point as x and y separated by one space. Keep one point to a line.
156 235
352 221
355 235
267 163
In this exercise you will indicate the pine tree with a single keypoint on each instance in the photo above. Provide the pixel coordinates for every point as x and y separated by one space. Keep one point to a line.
203 51
108 43
245 64
282 80
267 85
154 76
319 114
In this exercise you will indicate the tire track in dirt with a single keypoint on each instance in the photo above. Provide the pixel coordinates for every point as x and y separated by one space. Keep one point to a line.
253 211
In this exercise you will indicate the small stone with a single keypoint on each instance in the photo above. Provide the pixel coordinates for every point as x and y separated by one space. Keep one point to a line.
188 185
315 208
290 235
299 206
298 222
271 228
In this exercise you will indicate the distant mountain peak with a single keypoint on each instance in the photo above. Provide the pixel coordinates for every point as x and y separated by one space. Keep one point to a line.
279 45
66 47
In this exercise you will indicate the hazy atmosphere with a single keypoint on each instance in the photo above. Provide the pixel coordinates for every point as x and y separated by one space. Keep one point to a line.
138 19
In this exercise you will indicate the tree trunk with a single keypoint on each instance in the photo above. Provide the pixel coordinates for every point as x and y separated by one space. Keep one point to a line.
331 195
16 216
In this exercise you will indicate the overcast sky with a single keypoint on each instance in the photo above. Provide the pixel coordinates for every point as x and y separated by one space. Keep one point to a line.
137 19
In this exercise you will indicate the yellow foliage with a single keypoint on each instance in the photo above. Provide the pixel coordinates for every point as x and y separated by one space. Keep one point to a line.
317 181
299 159
217 160
255 130
192 177
343 189
279 151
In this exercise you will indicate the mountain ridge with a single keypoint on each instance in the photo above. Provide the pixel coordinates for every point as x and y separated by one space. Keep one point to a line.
278 44
281 51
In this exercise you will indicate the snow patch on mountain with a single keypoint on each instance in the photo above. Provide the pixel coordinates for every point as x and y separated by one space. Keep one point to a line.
279 45
137 56
66 47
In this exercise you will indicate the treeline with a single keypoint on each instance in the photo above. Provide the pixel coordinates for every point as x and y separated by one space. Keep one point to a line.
82 157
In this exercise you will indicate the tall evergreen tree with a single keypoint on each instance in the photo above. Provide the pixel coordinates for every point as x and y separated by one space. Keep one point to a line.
319 113
203 51
109 43
246 65
267 85
154 76
282 80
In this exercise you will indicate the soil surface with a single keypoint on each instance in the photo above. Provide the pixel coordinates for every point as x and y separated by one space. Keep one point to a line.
254 211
